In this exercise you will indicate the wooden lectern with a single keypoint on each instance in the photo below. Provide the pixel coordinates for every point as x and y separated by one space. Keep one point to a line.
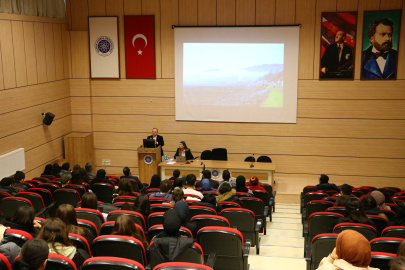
148 160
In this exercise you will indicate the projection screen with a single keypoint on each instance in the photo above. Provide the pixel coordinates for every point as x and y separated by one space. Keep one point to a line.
236 74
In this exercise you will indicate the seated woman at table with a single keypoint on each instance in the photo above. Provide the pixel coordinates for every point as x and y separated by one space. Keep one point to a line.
184 151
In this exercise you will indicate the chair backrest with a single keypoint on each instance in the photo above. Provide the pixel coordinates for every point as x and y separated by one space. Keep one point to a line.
250 159
312 196
328 191
386 244
155 200
80 188
88 225
4 263
225 204
394 231
397 189
192 255
195 210
34 198
104 192
109 263
154 208
129 199
391 215
330 199
4 194
108 227
322 245
181 266
322 222
262 195
336 209
33 182
28 185
56 182
255 205
120 246
264 159
381 260
363 189
307 189
391 192
317 206
59 262
92 215
44 193
367 230
49 186
156 229
240 218
357 193
67 196
9 205
380 223
219 154
150 191
210 220
242 194
80 242
393 206
135 216
17 236
268 188
206 155
50 177
226 243
41 179
212 192
155 218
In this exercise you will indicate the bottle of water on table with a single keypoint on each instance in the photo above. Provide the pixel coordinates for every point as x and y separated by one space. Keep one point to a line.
165 158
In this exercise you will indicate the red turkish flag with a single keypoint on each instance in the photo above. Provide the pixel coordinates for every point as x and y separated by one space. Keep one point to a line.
140 46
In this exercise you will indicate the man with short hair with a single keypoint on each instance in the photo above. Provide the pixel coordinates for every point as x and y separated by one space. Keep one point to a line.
65 169
380 60
165 187
176 175
324 184
65 179
337 56
158 139
128 174
6 186
207 175
346 191
89 169
19 178
190 189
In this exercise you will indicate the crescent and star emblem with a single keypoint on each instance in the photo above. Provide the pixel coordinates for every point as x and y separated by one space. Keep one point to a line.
139 36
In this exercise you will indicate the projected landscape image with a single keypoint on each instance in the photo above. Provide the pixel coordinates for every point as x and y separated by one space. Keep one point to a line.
233 74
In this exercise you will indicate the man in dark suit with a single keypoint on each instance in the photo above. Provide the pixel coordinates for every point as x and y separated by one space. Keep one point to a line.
337 56
379 61
158 139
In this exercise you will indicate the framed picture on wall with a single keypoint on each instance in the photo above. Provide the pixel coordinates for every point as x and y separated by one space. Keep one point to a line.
380 44
338 42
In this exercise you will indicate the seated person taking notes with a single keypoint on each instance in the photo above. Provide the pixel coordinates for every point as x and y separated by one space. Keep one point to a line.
184 151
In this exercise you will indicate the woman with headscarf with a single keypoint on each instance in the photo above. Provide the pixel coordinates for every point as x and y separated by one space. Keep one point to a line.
380 199
352 252
386 195
241 185
255 184
205 185
182 207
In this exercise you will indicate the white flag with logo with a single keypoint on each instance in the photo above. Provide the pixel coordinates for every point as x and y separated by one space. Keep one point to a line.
104 52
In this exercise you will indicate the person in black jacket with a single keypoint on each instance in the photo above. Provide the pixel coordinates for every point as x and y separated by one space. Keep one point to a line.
19 178
24 220
183 150
226 193
184 212
6 186
34 255
101 178
158 139
207 175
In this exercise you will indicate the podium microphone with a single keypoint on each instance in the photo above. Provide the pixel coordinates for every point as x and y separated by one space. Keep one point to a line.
251 164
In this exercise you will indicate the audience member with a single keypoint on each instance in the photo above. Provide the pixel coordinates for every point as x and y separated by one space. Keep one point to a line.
125 188
354 214
89 200
67 214
232 182
65 169
380 199
324 184
254 183
190 189
73 181
400 217
49 171
34 255
65 179
184 179
6 186
341 201
398 263
128 174
386 195
89 169
352 252
207 175
401 250
227 194
210 200
24 220
76 178
165 187
76 167
56 170
83 175
142 206
19 178
184 212
178 183
100 178
346 190
177 195
10 250
176 174
125 226
205 185
241 185
225 175
369 206
55 233
155 181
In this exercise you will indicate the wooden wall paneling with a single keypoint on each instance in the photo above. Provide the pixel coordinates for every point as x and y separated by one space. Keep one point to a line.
188 12
35 172
80 87
82 123
1 73
245 12
68 14
67 56
80 54
36 136
226 12
17 121
116 8
108 105
30 57
321 6
285 12
81 105
48 151
57 41
347 5
118 157
132 7
33 95
50 52
40 52
401 52
96 7
305 15
7 54
152 7
169 17
161 88
266 12
207 12
363 6
391 4
19 53
308 127
79 15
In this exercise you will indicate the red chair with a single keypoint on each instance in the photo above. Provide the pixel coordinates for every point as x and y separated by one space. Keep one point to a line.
59 262
386 244
108 227
45 194
17 236
50 177
155 200
181 266
9 205
394 231
49 186
316 206
243 194
33 182
104 192
88 225
336 209
195 210
124 199
328 191
330 199
34 198
67 196
41 179
108 263
150 191
156 229
393 188
135 216
4 263
380 223
80 242
381 260
193 255
92 215
321 246
225 205
154 208
391 215
210 220
4 194
367 230
155 218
